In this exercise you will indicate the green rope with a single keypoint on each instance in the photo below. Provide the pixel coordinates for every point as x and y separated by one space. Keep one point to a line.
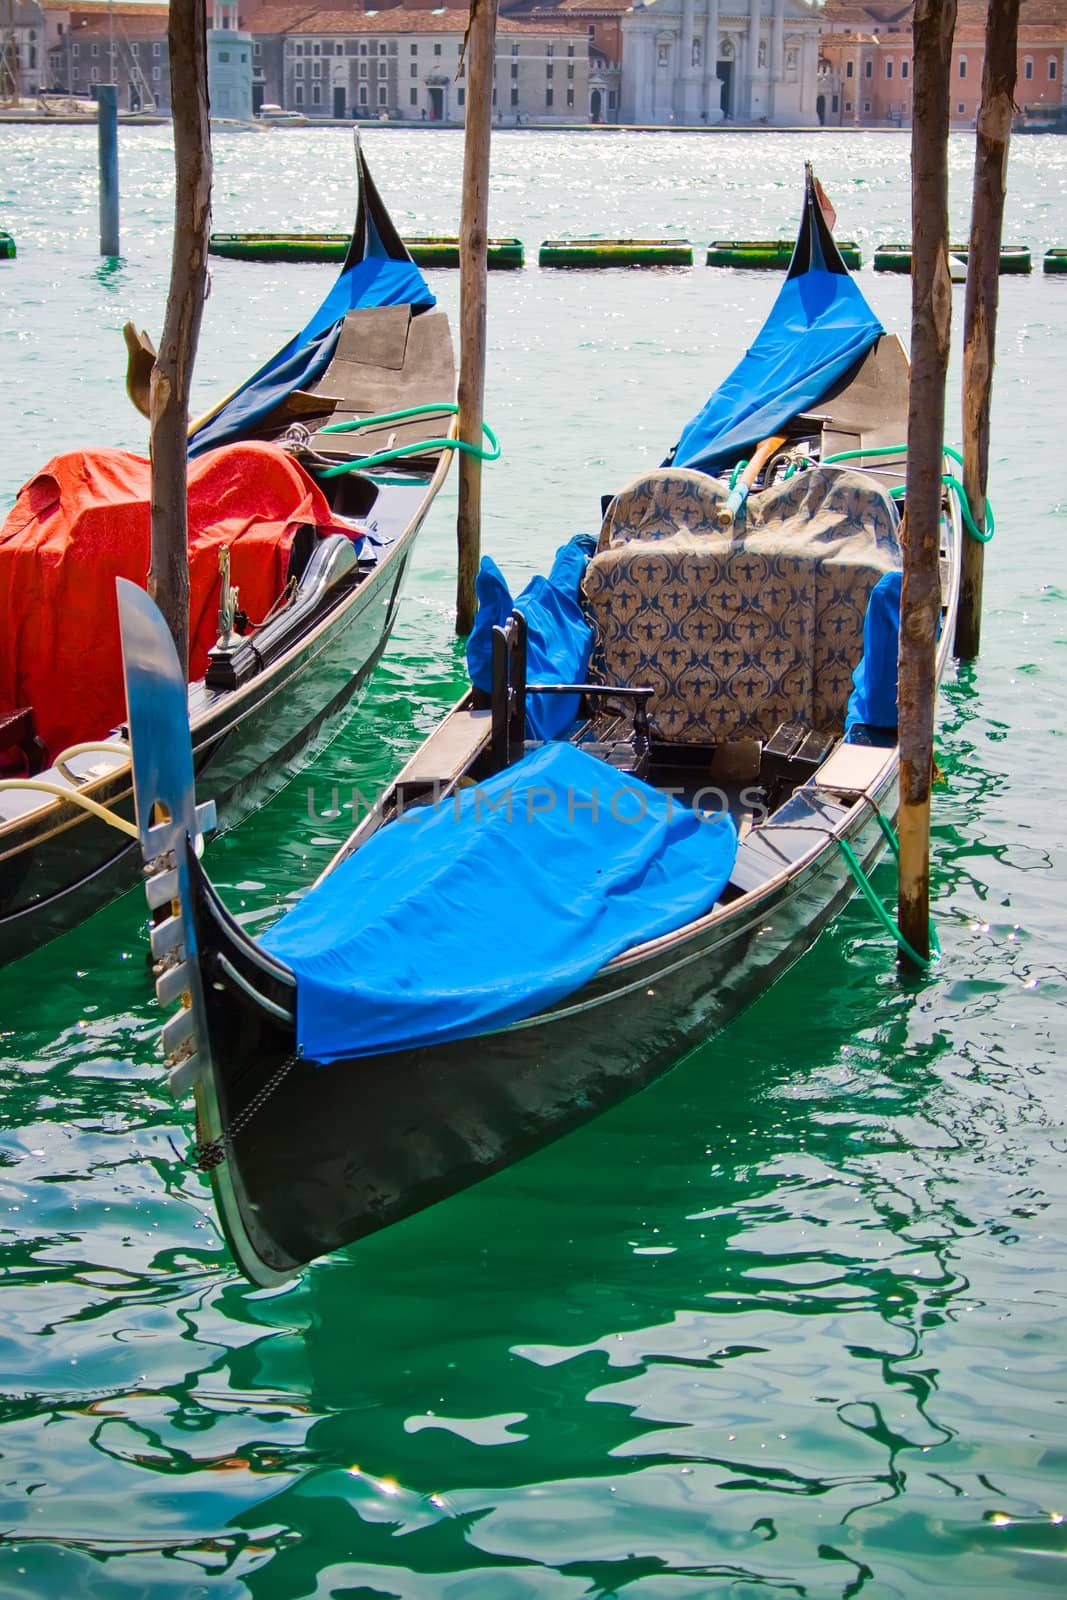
881 914
946 478
362 463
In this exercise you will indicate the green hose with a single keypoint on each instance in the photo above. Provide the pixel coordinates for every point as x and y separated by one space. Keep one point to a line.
881 914
736 473
946 478
361 463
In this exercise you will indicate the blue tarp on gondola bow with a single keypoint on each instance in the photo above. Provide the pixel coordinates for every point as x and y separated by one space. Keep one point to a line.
377 271
818 329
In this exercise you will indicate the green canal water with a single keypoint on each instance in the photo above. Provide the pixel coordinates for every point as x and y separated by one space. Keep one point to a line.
789 1323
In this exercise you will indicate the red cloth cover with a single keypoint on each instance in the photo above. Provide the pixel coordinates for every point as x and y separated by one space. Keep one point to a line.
84 521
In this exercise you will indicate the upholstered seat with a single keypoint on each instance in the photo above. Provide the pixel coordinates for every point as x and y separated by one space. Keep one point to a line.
739 631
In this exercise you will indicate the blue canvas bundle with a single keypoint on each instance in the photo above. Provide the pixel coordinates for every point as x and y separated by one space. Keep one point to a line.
873 701
558 636
819 327
375 281
464 917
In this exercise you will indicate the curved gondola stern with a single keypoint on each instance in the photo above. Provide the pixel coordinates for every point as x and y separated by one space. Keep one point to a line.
373 233
815 249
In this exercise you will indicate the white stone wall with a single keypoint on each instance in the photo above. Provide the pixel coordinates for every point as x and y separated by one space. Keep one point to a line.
675 50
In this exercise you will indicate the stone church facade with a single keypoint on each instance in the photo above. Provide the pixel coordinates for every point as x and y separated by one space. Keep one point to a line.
698 62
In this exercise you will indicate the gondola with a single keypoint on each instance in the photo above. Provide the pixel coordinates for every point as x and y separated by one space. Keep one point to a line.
676 762
307 488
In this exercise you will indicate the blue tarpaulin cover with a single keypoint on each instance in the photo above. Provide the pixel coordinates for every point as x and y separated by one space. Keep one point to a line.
375 281
458 919
873 701
558 636
819 326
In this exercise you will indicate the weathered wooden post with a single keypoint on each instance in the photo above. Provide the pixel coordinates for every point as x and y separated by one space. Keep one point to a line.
983 288
474 223
933 24
107 146
168 574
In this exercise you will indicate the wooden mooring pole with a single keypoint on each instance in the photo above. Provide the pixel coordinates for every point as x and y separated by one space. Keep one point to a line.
168 574
107 149
983 288
933 24
474 225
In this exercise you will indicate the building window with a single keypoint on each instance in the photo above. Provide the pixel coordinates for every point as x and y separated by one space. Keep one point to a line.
833 102
316 69
257 51
135 49
93 75
363 48
960 108
963 66
316 94
549 69
611 99
383 68
570 51
1052 69
316 49
514 69
570 97
866 108
94 51
224 55
414 69
363 69
414 49
75 51
298 69
437 49
868 69
570 68
848 69
363 94
383 95
848 105
298 49
514 97
548 97
414 97
155 49
461 97
514 49
1028 67
550 49
904 69
889 69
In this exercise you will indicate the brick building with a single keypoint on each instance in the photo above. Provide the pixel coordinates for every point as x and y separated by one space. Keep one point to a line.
865 61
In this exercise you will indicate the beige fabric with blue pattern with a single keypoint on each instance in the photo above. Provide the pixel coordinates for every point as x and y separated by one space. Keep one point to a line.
738 631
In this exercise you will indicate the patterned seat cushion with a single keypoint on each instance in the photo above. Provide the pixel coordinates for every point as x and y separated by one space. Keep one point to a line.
738 631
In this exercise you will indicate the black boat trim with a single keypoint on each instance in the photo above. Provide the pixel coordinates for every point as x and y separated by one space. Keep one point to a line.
227 966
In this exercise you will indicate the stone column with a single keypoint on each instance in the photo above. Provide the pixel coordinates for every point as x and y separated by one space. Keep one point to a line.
752 50
712 86
685 82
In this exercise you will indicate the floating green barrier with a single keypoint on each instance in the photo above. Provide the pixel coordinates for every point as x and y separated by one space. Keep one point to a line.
615 253
897 257
435 251
770 254
7 246
1055 259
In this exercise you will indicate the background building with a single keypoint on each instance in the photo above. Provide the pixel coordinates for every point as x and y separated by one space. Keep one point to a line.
865 61
696 62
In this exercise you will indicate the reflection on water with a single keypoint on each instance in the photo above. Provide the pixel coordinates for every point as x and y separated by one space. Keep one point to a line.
787 1323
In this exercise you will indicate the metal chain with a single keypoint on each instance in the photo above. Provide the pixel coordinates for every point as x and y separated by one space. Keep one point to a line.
212 1153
